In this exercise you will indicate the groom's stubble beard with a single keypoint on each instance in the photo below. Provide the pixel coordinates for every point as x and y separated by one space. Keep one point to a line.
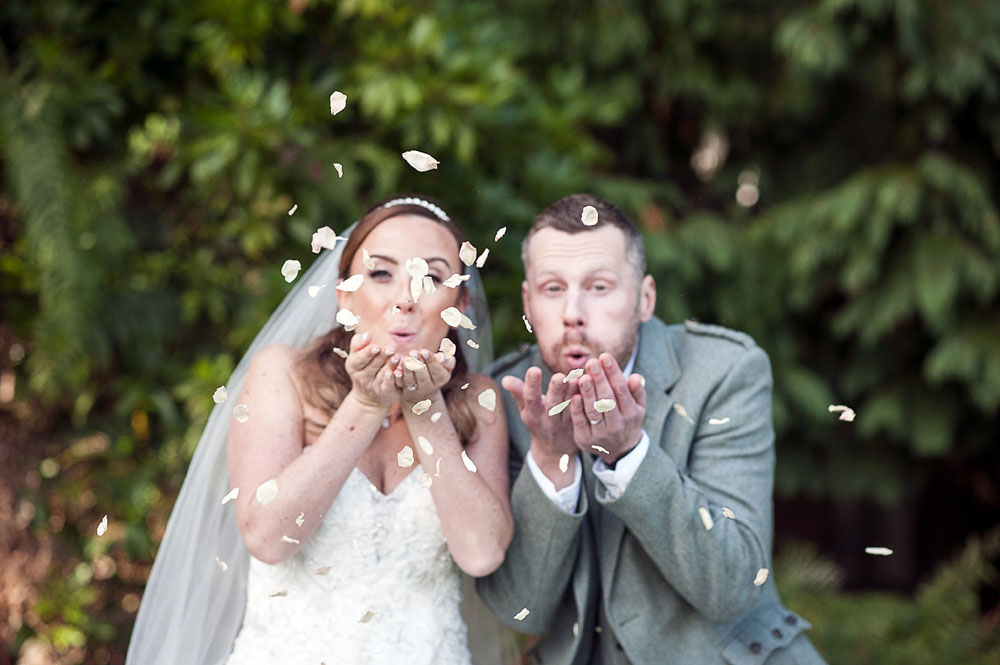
620 347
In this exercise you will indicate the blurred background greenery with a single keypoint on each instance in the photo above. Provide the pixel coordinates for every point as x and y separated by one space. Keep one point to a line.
822 175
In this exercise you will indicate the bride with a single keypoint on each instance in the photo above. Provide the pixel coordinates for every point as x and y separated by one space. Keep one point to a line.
368 467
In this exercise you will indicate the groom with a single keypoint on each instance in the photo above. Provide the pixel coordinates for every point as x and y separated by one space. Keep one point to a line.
642 488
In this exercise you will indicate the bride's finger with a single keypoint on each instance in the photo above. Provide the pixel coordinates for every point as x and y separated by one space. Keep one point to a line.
358 342
364 358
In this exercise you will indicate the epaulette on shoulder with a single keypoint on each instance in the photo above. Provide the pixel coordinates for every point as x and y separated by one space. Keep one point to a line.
506 362
707 329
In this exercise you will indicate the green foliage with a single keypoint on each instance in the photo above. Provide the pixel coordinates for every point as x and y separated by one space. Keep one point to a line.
150 153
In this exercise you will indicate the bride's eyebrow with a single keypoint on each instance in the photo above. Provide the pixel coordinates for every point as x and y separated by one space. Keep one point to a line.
394 262
438 258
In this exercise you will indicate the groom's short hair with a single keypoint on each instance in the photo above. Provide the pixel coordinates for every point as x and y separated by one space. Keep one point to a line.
565 215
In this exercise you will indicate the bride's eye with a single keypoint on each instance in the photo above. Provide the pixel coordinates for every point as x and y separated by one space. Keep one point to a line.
379 275
437 280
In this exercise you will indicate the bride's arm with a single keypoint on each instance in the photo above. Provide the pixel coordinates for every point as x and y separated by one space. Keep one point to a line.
474 507
268 446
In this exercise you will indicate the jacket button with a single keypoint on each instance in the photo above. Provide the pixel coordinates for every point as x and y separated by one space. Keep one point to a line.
755 647
777 634
791 620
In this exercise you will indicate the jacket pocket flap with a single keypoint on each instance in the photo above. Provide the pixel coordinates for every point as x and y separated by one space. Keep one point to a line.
764 630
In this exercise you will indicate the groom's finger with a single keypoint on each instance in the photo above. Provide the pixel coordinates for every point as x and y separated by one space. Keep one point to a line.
515 387
532 388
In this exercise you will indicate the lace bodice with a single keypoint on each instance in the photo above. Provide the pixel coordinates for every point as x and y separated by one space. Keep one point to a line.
375 584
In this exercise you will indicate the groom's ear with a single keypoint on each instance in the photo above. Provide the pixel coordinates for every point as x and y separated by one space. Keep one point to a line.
524 297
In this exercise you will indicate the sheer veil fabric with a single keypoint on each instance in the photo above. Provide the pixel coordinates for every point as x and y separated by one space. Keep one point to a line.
191 609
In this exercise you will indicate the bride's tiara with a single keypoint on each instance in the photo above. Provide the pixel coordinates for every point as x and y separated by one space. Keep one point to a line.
440 214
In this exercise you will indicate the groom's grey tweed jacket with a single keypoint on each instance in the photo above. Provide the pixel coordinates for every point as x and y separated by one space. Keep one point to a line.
671 591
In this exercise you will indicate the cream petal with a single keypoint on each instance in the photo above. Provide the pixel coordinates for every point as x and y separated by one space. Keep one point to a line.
420 161
559 408
604 405
488 399
220 395
405 457
290 270
102 528
267 492
481 261
761 577
339 168
352 283
500 233
573 374
338 102
425 445
241 413
452 316
467 253
706 518
233 494
421 407
467 461
589 216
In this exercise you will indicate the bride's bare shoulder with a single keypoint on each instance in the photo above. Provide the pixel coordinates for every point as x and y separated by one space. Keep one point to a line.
277 361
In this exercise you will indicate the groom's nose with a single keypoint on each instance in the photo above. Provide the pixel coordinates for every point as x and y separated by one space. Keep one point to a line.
573 314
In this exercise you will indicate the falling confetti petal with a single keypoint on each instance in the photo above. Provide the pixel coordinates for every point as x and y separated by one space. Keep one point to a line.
604 405
576 628
352 283
527 324
502 230
325 570
472 343
290 270
300 520
718 421
455 280
233 493
467 253
464 386
412 364
222 564
416 267
488 399
559 408
451 316
481 261
366 260
416 287
573 374
339 168
421 161
405 457
220 395
846 412
467 323
727 513
279 594
294 208
469 464
437 468
706 518
267 492
366 617
761 577
292 541
436 416
425 445
102 528
600 449
338 102
421 407
346 318
520 616
340 352
315 289
241 413
679 408
878 551
589 216
564 463
324 238
447 348
428 282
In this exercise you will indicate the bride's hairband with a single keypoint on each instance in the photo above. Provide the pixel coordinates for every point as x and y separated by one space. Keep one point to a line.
440 214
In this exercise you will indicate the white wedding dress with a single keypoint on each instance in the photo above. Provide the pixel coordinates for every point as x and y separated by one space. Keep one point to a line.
374 585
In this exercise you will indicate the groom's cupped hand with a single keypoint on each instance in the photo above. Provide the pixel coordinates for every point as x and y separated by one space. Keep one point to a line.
551 436
610 434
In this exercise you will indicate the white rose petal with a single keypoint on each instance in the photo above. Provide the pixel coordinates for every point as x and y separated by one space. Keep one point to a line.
267 492
447 348
412 364
455 280
366 617
405 457
467 461
421 161
564 463
290 270
846 412
706 518
718 421
425 480
222 564
464 386
878 551
436 416
425 445
416 267
315 289
429 284
466 323
520 616
366 259
452 316
604 405
241 413
467 253
294 208
233 493
346 318
600 449
338 102
421 407
679 408
727 513
279 594
416 288
102 528
340 352
437 468
292 541
576 629
559 408
589 216
324 238
300 520
488 399
573 374
472 343
339 168
220 395
325 570
352 283
502 230
761 577
481 261
524 317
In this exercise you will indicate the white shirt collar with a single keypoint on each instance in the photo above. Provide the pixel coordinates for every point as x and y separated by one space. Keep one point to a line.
630 365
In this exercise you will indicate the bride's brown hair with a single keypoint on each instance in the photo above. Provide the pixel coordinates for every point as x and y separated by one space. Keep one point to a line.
325 379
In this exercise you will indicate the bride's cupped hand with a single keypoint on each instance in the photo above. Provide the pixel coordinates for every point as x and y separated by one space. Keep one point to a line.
371 370
422 375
